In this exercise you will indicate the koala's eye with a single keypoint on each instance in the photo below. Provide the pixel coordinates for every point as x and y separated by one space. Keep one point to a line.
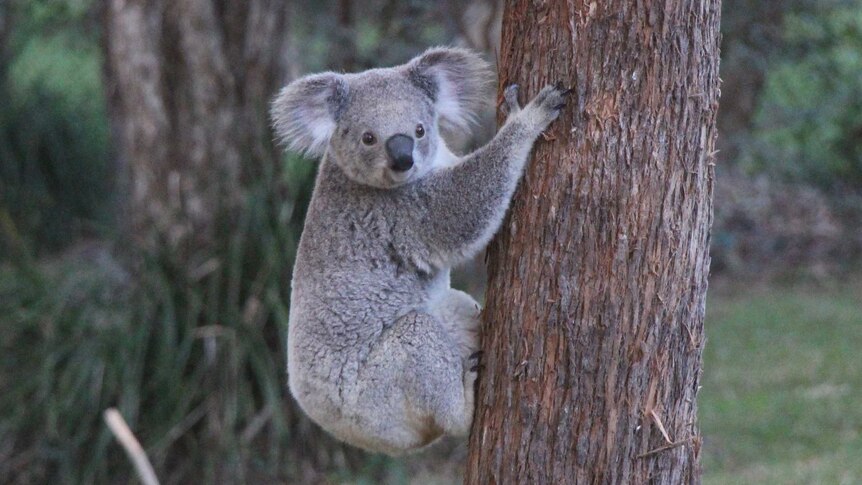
368 138
420 131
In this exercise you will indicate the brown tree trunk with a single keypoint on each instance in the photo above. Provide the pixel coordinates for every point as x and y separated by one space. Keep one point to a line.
593 325
189 82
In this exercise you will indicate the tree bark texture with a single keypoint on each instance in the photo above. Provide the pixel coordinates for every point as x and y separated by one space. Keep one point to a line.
189 83
593 325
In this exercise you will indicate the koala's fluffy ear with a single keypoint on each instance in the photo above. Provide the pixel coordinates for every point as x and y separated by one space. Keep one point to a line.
457 80
304 113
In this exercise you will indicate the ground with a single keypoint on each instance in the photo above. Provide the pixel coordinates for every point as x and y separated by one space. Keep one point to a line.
782 385
782 389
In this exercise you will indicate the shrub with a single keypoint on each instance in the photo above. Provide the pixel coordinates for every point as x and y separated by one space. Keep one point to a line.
809 123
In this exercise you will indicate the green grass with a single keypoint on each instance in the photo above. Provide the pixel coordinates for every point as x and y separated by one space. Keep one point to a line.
780 403
782 386
194 363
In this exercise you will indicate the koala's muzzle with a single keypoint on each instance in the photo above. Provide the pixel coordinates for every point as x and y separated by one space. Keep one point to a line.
400 151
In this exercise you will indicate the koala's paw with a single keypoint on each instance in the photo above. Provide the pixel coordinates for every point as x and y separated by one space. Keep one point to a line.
546 106
510 95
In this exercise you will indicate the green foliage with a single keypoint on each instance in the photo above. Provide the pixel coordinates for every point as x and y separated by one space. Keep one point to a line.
55 175
195 364
380 32
782 387
194 360
809 123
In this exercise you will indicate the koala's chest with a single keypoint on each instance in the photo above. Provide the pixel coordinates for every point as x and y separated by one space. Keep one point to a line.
382 243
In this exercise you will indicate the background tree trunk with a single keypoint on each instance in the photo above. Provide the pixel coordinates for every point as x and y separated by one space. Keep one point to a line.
4 35
593 325
189 83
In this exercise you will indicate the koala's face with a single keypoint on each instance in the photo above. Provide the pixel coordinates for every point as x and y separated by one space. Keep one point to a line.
387 135
381 126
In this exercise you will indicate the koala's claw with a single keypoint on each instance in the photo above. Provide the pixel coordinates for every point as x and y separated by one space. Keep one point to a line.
549 103
477 357
511 96
564 91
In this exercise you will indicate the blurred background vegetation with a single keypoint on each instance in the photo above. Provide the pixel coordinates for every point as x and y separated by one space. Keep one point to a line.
180 321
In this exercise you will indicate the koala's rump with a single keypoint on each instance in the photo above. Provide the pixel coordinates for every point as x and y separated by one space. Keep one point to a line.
359 402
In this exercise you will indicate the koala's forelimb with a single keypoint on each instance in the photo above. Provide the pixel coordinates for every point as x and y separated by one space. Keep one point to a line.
466 203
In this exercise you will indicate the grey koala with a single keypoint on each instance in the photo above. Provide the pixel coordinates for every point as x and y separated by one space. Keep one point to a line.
380 347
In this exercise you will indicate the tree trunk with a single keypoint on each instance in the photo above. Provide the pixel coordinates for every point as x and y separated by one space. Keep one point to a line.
4 35
593 325
344 47
189 82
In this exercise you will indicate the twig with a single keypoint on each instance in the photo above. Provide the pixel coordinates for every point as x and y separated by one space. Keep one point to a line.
660 426
664 448
180 428
133 448
257 423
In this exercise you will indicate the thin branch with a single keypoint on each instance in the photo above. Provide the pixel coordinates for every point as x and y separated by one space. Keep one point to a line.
256 425
133 448
665 448
660 426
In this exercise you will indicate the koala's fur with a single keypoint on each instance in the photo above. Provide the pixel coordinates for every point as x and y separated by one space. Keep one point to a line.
379 345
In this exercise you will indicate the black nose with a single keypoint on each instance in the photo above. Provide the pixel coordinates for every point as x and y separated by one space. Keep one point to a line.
400 151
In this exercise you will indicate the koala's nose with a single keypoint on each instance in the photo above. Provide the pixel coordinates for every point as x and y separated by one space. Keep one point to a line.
400 151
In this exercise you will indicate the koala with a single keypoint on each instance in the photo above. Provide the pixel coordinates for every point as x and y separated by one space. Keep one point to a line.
381 350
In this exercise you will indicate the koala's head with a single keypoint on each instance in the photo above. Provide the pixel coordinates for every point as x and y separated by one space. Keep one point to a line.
382 126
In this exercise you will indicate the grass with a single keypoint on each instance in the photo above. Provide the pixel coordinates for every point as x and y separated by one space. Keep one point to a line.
74 349
780 403
194 364
782 386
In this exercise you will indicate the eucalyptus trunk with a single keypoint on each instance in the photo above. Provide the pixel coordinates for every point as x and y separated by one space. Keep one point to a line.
189 84
593 324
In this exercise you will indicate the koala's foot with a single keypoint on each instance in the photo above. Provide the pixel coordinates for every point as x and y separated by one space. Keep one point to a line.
545 107
471 374
459 314
475 361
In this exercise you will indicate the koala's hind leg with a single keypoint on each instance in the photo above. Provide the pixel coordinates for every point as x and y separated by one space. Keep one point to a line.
414 385
459 314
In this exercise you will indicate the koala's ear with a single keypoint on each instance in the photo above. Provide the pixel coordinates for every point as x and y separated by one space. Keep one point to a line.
457 80
304 113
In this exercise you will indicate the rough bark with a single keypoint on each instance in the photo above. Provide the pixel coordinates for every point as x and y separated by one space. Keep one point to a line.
188 86
593 325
